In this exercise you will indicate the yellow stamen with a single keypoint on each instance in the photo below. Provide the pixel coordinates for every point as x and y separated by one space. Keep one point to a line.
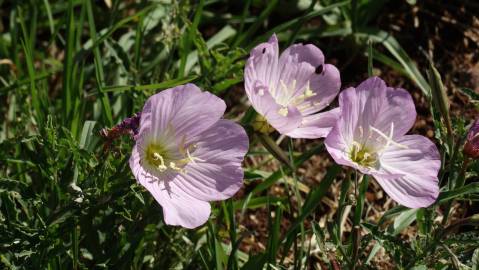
283 111
161 167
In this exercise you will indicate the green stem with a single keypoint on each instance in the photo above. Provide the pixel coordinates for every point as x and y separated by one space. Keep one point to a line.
342 202
458 183
274 149
358 212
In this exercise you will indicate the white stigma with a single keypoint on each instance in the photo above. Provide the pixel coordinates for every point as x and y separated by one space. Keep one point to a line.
191 158
389 139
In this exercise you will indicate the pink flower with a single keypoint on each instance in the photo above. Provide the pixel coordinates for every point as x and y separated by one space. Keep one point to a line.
371 138
289 90
471 148
186 156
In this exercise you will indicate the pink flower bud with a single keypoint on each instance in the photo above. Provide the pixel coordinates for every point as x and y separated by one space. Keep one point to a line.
471 148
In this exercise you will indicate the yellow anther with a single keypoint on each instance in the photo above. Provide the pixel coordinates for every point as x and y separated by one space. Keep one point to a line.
293 86
173 166
308 92
283 111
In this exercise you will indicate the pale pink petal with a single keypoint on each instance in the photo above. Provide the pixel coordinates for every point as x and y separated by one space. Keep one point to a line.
350 111
179 208
317 125
304 53
323 79
399 109
261 68
185 109
370 96
293 80
380 106
261 99
325 85
373 105
218 174
284 123
338 147
418 164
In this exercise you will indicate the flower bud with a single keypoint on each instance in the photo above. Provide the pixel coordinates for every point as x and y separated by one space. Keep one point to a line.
471 148
261 125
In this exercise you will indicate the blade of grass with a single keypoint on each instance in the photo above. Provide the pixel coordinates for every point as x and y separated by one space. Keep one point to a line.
232 258
31 71
289 24
188 38
451 194
260 20
244 14
68 95
109 32
358 213
157 86
393 46
100 77
314 197
286 169
49 15
311 202
370 58
273 236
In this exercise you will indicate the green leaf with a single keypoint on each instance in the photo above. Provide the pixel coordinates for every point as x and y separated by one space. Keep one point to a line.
86 134
475 260
451 194
403 221
470 93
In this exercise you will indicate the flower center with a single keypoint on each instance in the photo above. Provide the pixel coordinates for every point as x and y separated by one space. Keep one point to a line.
163 159
363 156
157 156
287 97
